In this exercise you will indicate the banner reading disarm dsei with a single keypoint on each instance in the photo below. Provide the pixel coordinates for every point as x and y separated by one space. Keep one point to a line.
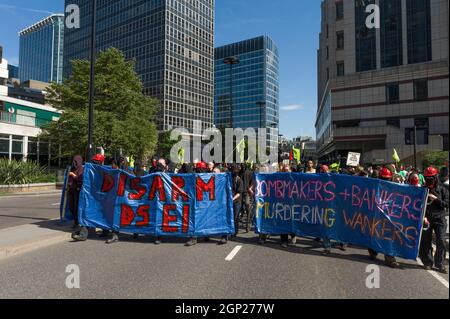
183 205
367 212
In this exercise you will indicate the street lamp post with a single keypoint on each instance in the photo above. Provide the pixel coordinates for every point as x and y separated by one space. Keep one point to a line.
231 61
415 146
92 84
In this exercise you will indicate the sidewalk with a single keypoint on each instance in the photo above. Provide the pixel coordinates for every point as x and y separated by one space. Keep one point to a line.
25 194
25 238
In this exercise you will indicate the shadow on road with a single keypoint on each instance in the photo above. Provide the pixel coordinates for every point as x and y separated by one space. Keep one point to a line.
304 246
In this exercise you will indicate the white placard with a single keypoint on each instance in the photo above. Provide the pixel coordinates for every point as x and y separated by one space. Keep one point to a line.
353 159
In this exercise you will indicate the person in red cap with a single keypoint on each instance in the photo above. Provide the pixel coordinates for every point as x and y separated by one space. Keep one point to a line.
387 175
436 205
98 159
324 169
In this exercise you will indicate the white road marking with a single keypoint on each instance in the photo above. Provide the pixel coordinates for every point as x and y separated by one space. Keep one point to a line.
233 253
56 204
435 275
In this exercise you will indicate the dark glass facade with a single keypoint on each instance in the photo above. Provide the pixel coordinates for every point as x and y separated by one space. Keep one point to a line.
255 84
419 30
366 47
13 71
172 42
391 33
41 50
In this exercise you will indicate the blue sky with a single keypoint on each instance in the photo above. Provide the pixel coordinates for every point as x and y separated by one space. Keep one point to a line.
293 24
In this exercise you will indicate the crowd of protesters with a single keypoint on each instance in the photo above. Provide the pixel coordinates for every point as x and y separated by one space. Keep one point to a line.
243 184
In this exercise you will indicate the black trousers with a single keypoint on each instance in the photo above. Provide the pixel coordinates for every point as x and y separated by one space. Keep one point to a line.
73 198
237 205
438 225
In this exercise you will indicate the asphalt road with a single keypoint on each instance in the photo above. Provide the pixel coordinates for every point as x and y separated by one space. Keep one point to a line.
16 211
140 269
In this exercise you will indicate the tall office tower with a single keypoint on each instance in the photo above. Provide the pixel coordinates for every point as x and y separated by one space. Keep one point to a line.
376 84
41 50
172 42
248 72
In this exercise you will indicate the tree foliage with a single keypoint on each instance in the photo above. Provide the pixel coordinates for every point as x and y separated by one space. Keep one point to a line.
165 144
436 159
123 115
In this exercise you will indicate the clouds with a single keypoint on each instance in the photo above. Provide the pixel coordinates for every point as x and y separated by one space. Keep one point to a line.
13 60
11 8
292 107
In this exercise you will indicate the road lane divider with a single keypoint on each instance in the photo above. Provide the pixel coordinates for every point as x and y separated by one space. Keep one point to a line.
233 253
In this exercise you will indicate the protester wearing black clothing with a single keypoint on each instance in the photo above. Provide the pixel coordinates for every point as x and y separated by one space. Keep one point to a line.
75 184
238 190
437 203
248 180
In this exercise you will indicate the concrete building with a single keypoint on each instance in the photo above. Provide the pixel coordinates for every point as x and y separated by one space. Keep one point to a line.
254 86
32 91
20 125
375 85
41 50
172 42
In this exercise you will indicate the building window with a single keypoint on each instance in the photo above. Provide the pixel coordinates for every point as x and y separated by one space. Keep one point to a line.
340 40
391 33
339 10
328 52
420 90
366 52
393 122
419 30
340 68
392 93
422 130
327 31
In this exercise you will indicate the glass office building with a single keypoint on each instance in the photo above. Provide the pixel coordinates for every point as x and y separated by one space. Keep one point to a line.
254 85
172 42
13 71
41 50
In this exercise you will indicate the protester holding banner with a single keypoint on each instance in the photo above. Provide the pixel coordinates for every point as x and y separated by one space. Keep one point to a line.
310 168
237 190
159 167
386 175
75 184
248 178
437 203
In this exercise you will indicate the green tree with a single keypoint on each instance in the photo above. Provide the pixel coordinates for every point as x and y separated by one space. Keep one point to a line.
123 115
165 144
436 159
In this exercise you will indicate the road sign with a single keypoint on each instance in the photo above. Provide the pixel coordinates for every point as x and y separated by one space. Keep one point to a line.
353 159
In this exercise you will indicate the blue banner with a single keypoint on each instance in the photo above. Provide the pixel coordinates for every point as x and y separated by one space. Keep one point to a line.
160 204
367 212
